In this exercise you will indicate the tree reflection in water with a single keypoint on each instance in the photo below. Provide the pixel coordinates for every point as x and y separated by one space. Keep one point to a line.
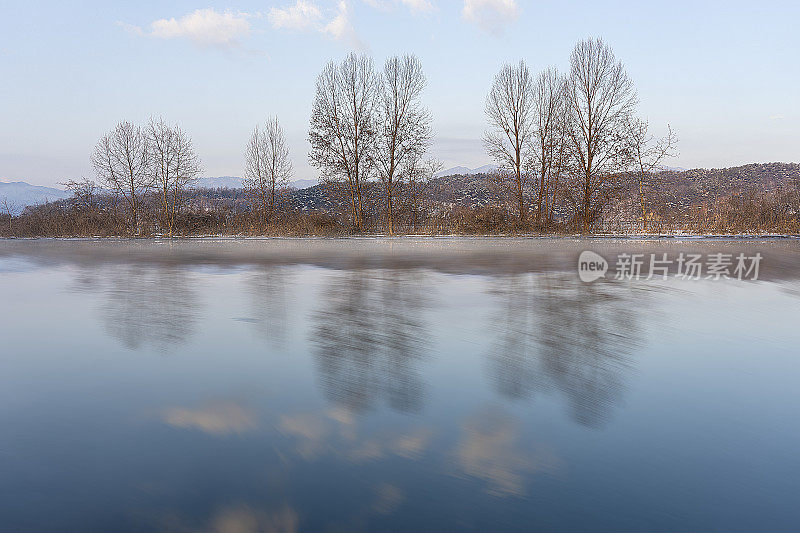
369 334
149 306
559 334
267 287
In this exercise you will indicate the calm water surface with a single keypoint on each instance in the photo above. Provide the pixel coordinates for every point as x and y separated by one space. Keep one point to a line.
373 384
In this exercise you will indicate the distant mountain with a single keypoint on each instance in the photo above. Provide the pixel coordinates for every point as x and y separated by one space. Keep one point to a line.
222 182
303 184
235 182
464 171
454 171
20 195
485 169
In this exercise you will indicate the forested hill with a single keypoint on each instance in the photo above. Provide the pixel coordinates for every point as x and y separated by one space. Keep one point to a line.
674 189
687 186
699 185
677 188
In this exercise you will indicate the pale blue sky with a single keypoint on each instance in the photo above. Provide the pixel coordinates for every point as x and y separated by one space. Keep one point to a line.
725 75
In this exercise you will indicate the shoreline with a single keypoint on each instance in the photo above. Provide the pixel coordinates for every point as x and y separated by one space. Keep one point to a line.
376 237
446 254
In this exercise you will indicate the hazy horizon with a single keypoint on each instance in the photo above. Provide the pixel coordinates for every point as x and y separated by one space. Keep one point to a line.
219 69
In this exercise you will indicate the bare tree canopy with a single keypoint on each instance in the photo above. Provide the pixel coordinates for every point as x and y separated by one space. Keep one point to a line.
343 127
404 132
84 192
416 177
267 167
121 161
648 153
9 208
601 100
548 145
173 165
510 112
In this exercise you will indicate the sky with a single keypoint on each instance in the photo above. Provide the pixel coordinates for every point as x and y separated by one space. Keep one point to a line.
724 75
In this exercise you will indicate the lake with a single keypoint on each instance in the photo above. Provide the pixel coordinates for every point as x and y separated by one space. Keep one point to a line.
397 384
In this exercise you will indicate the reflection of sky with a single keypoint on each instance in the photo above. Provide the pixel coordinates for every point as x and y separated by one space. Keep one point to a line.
232 422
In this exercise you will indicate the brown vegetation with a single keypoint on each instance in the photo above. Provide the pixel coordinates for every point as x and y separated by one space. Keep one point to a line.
435 207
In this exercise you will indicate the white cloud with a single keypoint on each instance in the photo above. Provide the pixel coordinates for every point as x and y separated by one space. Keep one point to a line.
417 7
130 28
206 27
300 16
378 4
776 117
492 16
305 15
341 28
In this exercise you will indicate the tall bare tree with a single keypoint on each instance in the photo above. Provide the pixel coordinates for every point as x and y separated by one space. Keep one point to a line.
510 112
267 167
121 160
404 127
343 127
173 165
548 142
648 152
600 99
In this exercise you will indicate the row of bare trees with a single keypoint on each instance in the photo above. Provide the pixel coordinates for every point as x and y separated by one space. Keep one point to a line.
370 125
559 139
563 143
132 161
571 135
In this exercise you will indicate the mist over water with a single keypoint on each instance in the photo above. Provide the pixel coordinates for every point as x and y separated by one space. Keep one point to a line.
423 384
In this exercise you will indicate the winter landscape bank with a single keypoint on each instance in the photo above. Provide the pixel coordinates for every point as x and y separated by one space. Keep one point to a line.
755 199
570 155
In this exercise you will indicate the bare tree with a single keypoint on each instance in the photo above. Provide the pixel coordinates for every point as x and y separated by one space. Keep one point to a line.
267 167
510 111
343 127
417 176
601 99
548 144
648 153
404 132
84 192
554 186
10 208
120 160
173 165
